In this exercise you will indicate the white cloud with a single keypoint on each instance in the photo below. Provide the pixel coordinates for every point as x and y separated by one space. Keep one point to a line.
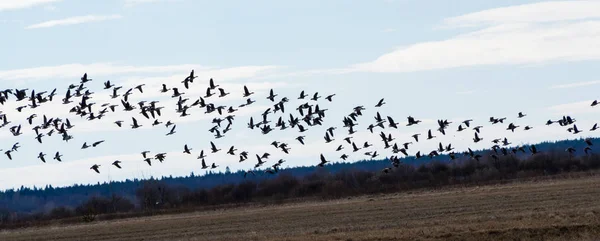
573 85
543 12
50 8
518 35
20 4
466 92
581 107
131 3
105 69
73 21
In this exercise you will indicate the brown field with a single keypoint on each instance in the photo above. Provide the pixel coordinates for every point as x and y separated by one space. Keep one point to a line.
562 209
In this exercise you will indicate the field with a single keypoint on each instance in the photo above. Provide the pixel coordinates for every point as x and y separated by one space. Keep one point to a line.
559 209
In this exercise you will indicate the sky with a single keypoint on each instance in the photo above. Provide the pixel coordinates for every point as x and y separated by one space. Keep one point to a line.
455 60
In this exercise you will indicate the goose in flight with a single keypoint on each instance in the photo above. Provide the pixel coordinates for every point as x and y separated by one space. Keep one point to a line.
211 84
575 130
271 96
391 123
301 128
380 103
191 77
477 138
222 92
315 96
416 136
521 115
7 153
354 147
30 118
160 156
172 131
429 135
176 93
15 147
108 85
156 122
164 89
95 144
85 79
117 164
467 122
323 161
41 157
231 151
246 92
201 156
512 127
186 149
330 97
135 124
328 139
204 166
213 147
300 139
95 168
412 121
302 95
57 157
139 87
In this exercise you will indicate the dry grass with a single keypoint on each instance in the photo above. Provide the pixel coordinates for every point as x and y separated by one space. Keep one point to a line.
567 209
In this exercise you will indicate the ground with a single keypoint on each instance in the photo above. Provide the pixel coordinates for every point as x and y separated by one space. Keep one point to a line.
559 209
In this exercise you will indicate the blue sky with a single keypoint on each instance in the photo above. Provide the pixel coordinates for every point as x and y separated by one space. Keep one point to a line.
430 59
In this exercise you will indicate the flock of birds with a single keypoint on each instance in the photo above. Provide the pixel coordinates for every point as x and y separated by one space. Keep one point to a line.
304 116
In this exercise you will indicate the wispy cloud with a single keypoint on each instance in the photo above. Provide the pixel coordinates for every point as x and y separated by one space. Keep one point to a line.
466 92
131 3
580 107
20 4
524 34
50 8
573 85
73 21
104 69
544 12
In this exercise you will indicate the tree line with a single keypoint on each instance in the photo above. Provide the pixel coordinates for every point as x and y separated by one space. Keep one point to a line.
168 194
